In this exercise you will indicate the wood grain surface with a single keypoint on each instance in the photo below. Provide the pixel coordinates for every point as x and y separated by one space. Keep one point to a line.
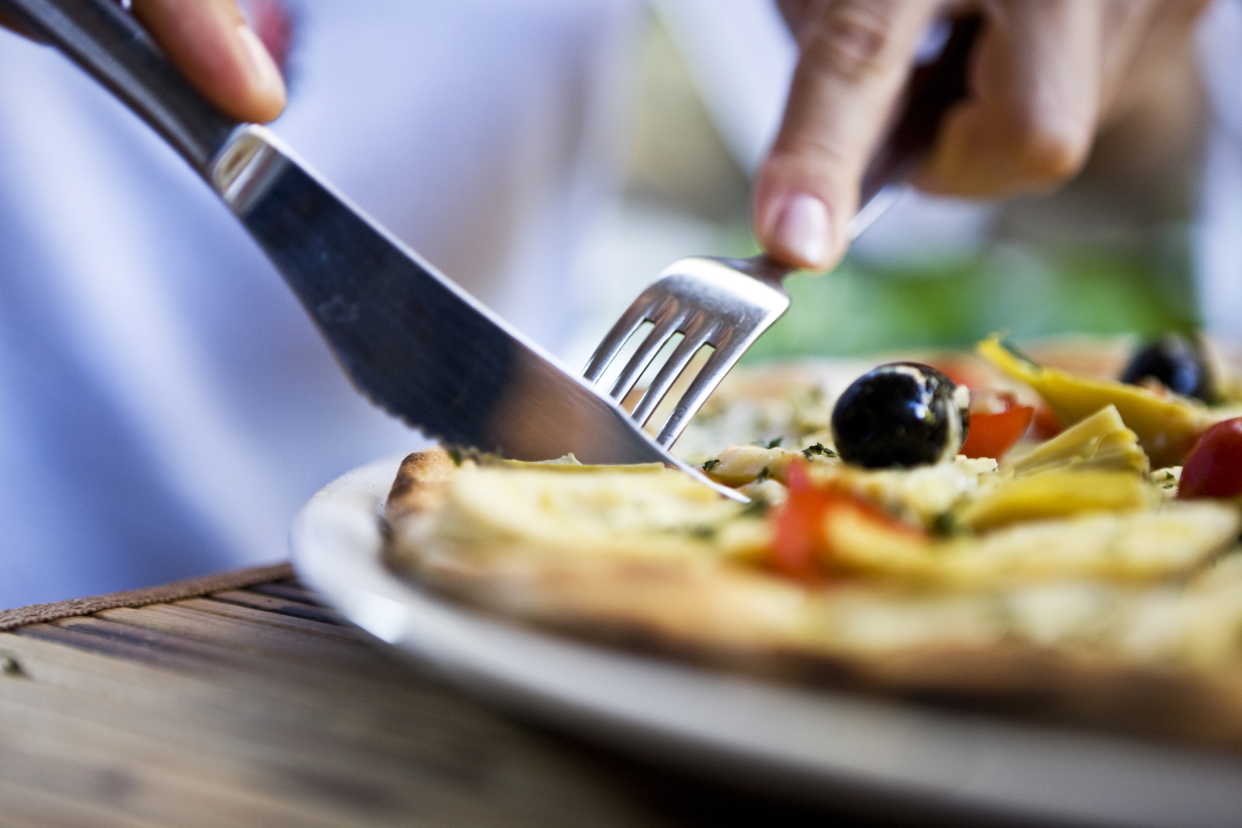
260 707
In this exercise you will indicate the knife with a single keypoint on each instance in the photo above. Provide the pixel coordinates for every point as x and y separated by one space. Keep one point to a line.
409 338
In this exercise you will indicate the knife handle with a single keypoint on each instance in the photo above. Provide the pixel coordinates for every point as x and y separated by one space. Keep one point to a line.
109 44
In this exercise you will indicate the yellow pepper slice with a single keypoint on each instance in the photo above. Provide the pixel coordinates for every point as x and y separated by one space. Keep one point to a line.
1166 426
1101 442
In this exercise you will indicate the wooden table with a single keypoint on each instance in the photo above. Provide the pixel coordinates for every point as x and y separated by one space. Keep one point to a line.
253 704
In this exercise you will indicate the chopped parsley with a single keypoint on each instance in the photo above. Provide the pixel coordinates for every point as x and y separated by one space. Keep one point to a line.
776 443
460 454
817 450
943 525
764 474
703 532
756 508
711 464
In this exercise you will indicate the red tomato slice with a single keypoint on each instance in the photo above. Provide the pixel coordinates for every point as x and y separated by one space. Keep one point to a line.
800 547
994 429
798 534
1213 468
1046 424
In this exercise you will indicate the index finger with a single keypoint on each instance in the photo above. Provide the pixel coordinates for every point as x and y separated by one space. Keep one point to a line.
210 43
855 56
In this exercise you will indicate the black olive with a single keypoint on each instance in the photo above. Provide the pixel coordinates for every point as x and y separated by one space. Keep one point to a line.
1176 363
900 414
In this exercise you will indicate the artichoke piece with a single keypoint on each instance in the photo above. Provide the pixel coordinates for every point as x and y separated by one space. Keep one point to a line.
1166 426
1101 442
1057 494
739 465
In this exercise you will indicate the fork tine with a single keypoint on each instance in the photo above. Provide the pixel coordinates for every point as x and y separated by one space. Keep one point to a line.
666 325
728 351
697 335
635 315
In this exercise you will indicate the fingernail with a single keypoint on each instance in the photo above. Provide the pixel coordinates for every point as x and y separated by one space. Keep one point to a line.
264 71
804 230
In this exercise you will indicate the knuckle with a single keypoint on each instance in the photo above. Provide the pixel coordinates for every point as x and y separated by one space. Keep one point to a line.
1047 151
853 39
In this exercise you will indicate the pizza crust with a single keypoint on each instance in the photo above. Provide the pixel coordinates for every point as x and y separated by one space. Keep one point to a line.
421 483
1076 655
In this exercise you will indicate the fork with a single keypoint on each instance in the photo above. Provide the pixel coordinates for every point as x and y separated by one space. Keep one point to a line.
726 304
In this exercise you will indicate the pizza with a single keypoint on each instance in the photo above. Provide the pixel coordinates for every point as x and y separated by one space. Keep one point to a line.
1026 534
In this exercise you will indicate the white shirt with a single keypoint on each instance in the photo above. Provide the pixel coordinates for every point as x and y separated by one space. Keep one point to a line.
165 403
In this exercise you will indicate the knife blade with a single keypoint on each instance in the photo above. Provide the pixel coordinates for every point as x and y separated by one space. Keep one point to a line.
408 337
411 339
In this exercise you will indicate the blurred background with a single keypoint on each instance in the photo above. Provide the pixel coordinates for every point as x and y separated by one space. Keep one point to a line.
1111 253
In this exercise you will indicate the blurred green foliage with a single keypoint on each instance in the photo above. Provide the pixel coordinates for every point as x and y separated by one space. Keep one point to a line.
1027 291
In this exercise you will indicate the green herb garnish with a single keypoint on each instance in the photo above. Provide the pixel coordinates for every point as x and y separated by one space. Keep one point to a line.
711 464
817 450
703 532
943 525
460 454
756 508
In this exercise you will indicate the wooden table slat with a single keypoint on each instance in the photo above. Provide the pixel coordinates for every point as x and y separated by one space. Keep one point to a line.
82 758
23 806
76 636
280 606
232 768
286 589
199 705
329 629
247 635
388 689
153 646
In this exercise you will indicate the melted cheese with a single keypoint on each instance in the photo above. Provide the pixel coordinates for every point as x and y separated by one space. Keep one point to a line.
655 513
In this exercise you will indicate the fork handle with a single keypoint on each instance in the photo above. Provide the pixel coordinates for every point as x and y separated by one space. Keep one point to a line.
933 89
109 44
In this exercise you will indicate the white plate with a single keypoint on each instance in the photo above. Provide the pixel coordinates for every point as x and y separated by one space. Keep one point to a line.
901 758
